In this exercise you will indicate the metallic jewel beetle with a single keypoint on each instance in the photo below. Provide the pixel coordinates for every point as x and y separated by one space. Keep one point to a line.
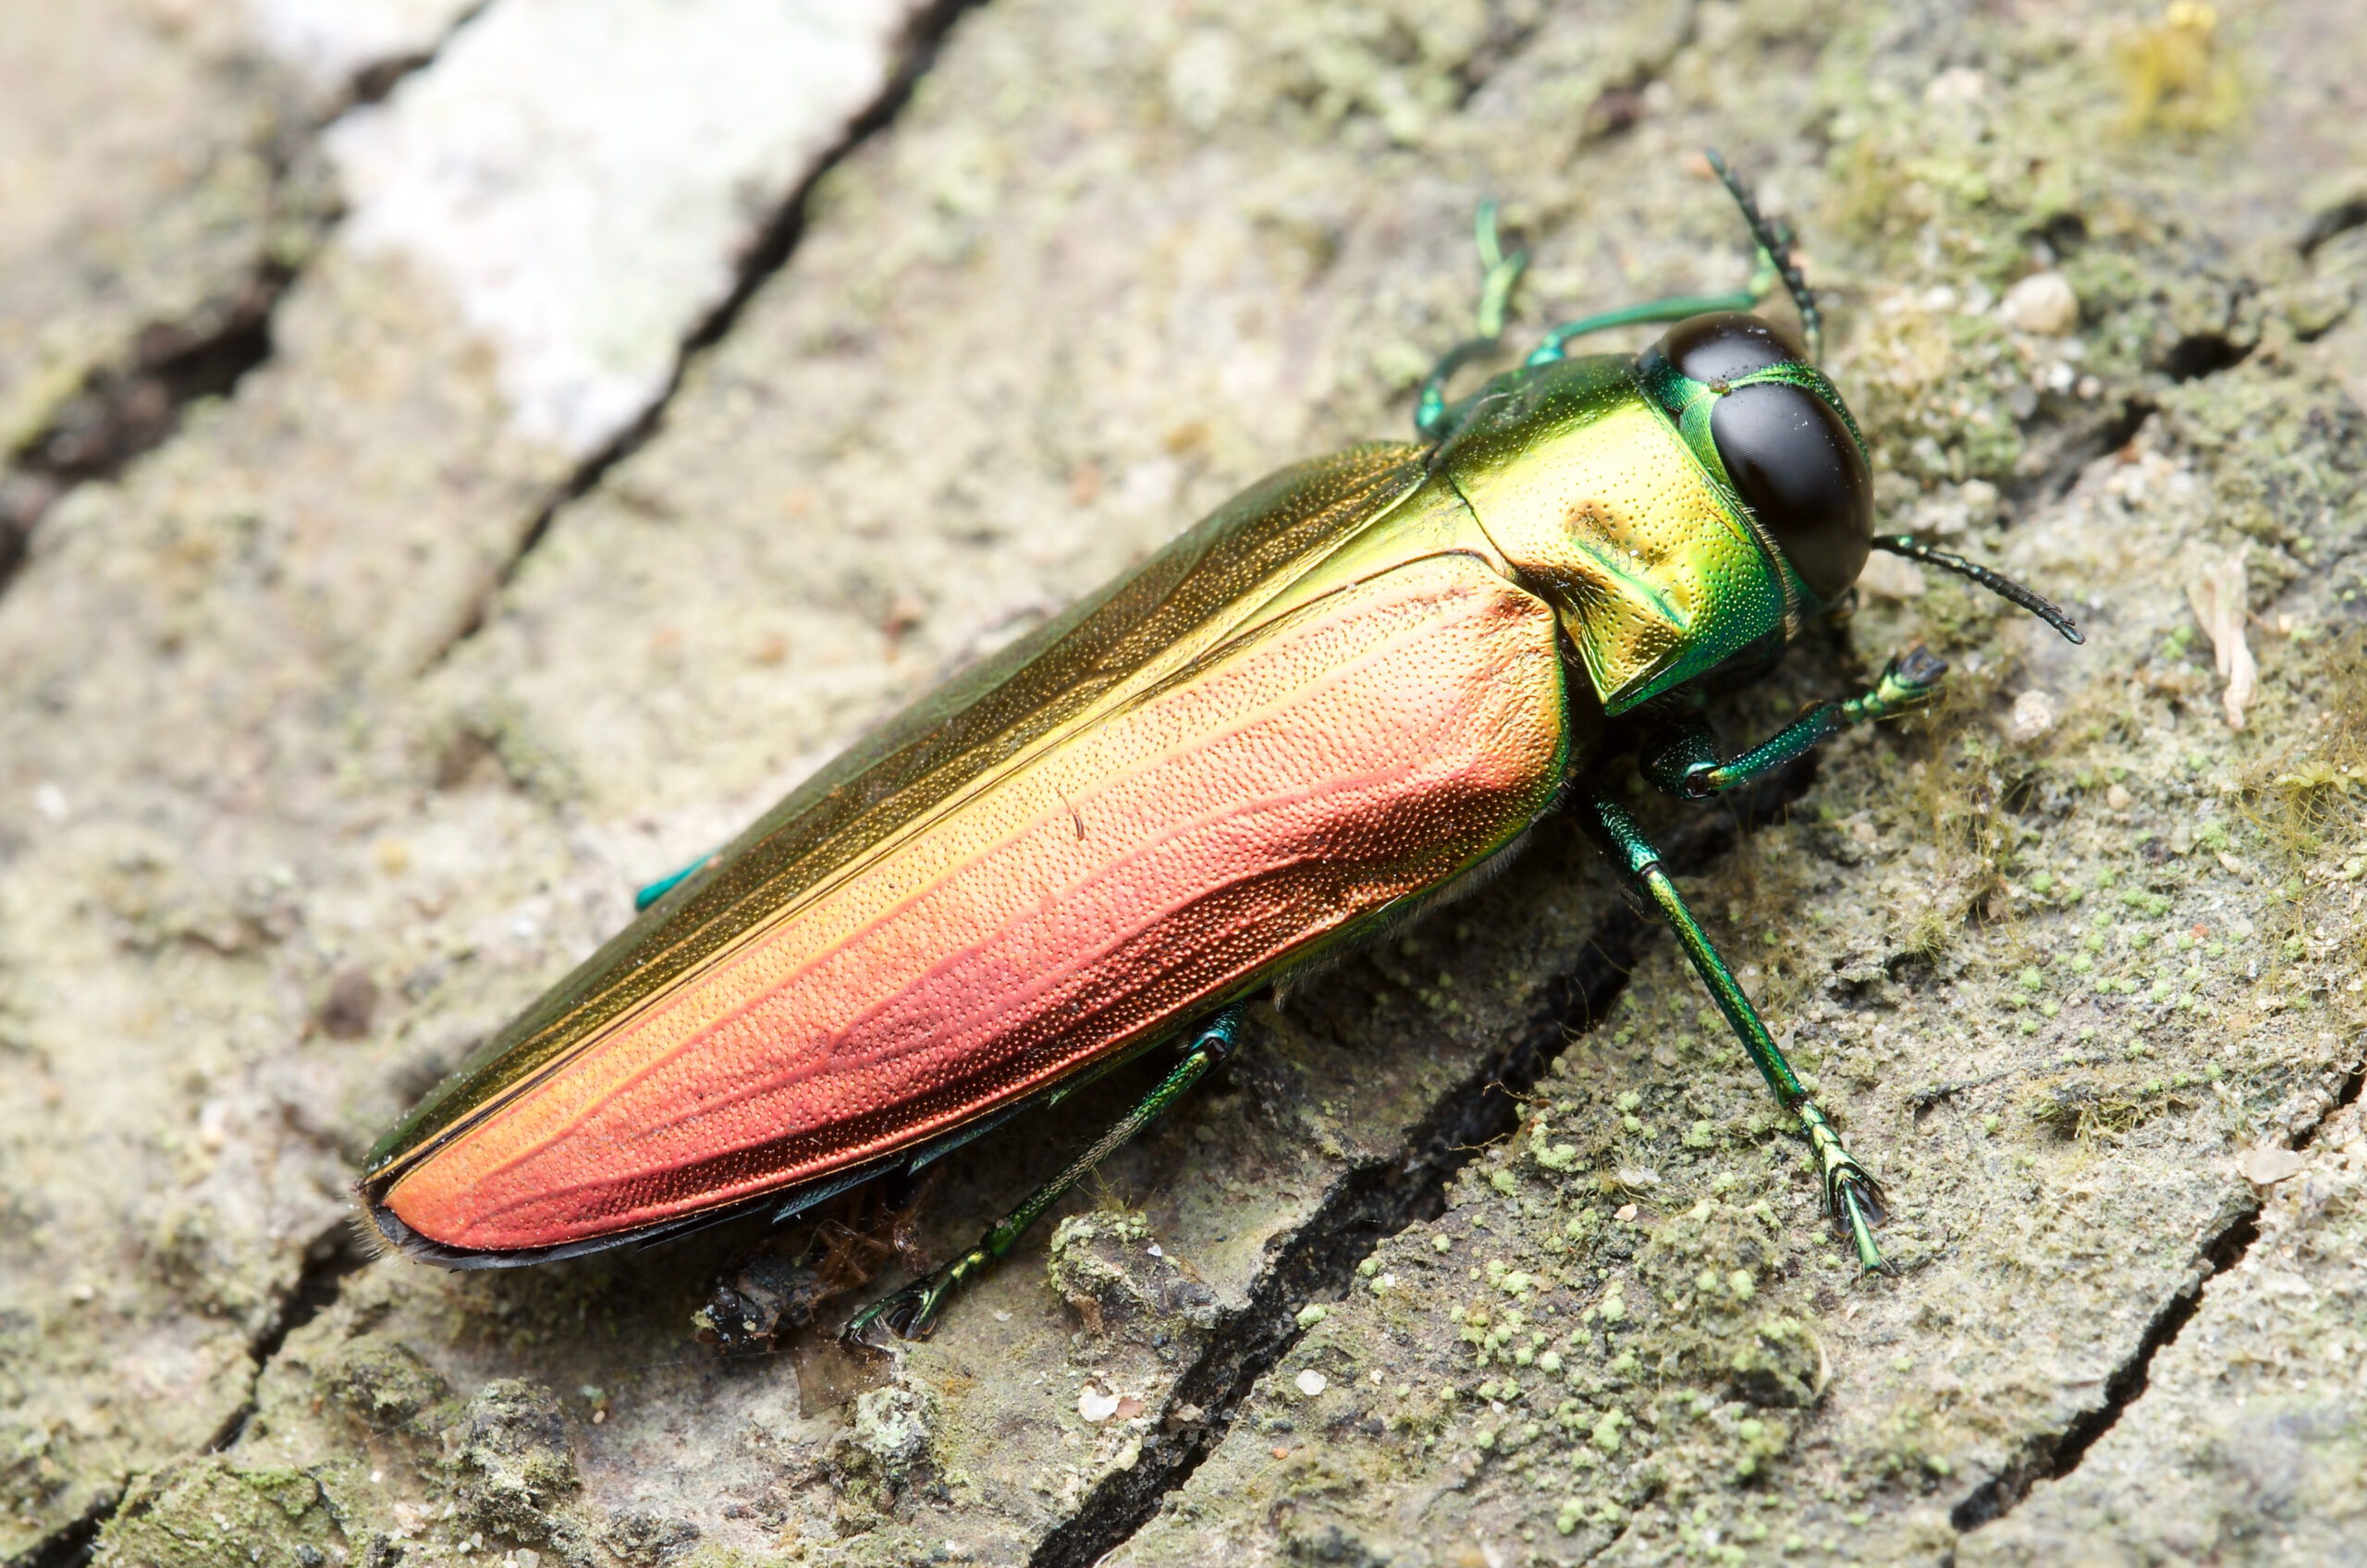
1355 685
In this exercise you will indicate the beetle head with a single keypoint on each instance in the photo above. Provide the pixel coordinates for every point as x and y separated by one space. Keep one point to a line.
1759 415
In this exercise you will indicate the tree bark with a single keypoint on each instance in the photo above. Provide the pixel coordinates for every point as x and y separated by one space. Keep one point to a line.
347 718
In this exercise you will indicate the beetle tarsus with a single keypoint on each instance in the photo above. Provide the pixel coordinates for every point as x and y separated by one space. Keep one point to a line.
911 1313
1852 1196
1685 763
1859 1213
1919 669
1907 683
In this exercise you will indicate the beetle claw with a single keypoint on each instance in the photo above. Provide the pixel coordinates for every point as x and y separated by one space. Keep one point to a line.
1855 1201
1920 666
908 1314
1852 1196
911 1313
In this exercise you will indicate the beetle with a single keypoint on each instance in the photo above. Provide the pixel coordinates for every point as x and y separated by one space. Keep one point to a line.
1343 696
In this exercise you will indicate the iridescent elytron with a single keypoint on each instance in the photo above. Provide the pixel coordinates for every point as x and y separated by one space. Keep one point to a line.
1355 685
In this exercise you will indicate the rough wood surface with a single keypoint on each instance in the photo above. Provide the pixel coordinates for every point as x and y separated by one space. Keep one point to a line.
342 721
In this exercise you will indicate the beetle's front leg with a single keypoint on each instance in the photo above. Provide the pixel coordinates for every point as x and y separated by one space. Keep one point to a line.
1498 271
910 1313
1851 1196
1686 761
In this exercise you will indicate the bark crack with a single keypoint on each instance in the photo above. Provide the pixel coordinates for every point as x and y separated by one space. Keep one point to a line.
334 1254
374 82
134 402
2051 1458
2330 222
924 38
71 1545
1377 1201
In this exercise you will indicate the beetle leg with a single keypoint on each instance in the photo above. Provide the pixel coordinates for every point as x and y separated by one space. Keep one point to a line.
1498 271
1772 244
651 892
1432 415
1685 762
910 1313
1851 1196
1677 307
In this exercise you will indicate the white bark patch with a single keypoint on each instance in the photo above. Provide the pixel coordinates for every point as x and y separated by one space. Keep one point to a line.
585 174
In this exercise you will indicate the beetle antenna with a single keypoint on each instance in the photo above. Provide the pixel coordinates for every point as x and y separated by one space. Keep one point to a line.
2004 587
1774 242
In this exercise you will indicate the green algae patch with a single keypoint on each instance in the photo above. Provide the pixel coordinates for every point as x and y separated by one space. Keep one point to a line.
212 1512
514 1466
382 1384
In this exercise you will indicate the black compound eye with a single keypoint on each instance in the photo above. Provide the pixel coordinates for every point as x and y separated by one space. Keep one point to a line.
1798 469
1727 344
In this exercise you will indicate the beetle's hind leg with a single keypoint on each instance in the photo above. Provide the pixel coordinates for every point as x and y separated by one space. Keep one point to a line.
910 1312
1851 1196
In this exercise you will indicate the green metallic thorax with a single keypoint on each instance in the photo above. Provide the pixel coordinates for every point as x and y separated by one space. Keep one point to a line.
1626 522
